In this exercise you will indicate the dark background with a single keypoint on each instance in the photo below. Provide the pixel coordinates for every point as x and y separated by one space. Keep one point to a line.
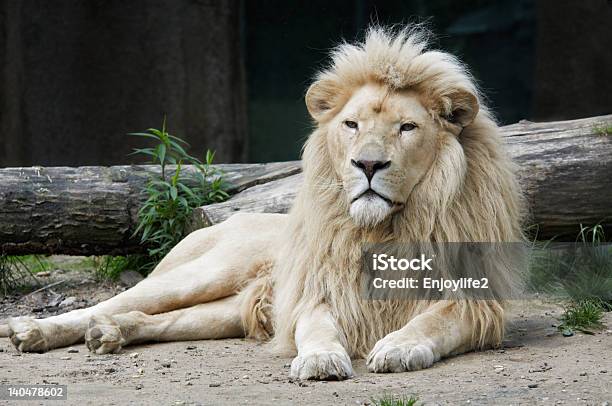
77 75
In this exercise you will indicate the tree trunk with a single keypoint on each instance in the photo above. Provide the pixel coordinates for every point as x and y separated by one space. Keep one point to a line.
565 169
91 210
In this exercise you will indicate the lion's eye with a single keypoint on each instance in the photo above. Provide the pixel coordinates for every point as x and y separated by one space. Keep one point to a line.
351 124
407 127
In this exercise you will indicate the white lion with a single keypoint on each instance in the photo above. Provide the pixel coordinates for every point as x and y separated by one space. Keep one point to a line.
403 150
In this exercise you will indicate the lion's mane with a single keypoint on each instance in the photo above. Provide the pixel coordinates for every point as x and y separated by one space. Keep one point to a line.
469 194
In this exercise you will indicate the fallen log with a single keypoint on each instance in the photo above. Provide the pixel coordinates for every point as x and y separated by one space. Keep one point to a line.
92 210
566 170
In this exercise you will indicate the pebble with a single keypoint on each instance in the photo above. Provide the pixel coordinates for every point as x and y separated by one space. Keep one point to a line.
134 355
583 374
65 358
191 347
214 385
165 364
532 385
69 301
139 386
72 350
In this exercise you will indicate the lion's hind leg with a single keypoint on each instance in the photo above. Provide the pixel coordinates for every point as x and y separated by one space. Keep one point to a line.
213 320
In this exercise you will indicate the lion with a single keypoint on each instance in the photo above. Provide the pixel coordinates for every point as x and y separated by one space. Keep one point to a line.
403 149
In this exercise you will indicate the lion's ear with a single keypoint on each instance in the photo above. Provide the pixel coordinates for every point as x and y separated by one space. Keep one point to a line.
322 98
462 107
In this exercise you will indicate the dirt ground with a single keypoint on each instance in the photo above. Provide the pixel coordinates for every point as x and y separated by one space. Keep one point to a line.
536 366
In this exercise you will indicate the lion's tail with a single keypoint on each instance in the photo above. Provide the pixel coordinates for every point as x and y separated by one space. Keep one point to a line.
256 307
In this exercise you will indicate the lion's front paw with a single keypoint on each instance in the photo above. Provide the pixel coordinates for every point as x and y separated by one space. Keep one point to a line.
26 335
394 354
322 365
103 335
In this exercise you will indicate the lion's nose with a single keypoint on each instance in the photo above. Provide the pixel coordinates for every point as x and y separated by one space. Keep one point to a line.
370 167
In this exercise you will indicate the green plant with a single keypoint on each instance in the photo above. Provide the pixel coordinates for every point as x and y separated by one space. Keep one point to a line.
584 316
172 195
603 129
18 272
110 267
394 400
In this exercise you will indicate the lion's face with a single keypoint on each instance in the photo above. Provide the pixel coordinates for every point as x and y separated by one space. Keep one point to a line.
382 143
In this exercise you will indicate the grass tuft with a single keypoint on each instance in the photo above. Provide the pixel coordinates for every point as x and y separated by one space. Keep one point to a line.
395 400
603 129
583 316
17 273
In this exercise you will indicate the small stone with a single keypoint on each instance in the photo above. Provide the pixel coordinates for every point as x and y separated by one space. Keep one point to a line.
140 371
583 374
214 385
109 370
69 301
134 355
603 371
65 358
191 347
532 385
72 350
166 364
139 386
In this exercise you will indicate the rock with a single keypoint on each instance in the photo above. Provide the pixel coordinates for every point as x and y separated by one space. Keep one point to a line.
72 350
214 385
65 358
532 385
134 355
165 364
583 374
69 301
139 386
191 347
55 301
130 278
568 333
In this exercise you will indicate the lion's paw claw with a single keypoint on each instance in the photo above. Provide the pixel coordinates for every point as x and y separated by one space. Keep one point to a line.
391 355
103 335
323 365
26 335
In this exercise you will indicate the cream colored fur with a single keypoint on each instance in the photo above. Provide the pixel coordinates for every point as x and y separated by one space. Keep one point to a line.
296 278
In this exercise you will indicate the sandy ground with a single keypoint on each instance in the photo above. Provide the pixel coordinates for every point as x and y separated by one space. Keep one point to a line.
536 366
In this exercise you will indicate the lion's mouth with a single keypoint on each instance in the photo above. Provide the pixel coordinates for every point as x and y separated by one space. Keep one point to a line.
372 193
